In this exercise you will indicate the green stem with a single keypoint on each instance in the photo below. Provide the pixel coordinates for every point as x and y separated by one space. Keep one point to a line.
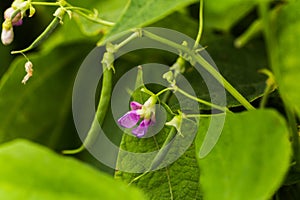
95 20
206 66
136 34
265 96
200 30
294 134
50 28
100 113
203 115
254 29
45 3
160 155
162 91
201 101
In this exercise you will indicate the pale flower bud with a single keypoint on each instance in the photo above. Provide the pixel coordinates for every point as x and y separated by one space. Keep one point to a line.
29 70
17 20
7 36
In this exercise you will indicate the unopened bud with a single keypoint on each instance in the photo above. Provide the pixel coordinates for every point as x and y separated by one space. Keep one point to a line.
17 20
29 70
7 36
176 122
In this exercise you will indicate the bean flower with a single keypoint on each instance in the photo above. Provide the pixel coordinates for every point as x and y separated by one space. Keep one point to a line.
145 113
7 34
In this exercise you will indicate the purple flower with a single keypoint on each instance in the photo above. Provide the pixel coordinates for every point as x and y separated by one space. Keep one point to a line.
142 129
139 111
135 105
17 20
129 120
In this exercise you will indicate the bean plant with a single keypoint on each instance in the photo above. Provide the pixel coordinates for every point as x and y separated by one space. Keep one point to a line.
150 99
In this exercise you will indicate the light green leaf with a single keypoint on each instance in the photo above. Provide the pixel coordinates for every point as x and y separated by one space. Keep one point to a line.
222 15
31 171
108 10
289 62
40 110
143 12
250 158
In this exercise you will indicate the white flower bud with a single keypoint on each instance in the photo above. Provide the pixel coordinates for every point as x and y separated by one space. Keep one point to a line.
7 36
29 70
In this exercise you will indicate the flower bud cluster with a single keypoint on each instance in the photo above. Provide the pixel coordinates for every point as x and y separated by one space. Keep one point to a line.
13 16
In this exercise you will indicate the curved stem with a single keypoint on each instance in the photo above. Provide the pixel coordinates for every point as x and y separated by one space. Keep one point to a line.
204 64
100 113
202 101
50 28
200 30
160 155
96 20
162 91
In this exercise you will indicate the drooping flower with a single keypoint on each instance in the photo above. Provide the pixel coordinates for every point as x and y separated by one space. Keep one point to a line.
137 112
129 120
29 70
17 20
7 34
142 129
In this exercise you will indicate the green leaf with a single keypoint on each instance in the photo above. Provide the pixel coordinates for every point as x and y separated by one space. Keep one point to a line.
143 12
40 110
250 158
31 171
178 181
222 15
108 10
289 62
174 179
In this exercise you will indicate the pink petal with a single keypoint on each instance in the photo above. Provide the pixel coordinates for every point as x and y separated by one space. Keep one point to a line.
17 20
129 120
142 129
135 105
17 23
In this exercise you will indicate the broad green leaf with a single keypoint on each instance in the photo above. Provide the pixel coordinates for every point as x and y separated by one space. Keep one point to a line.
143 12
223 14
178 181
288 46
250 158
40 110
177 175
108 10
31 171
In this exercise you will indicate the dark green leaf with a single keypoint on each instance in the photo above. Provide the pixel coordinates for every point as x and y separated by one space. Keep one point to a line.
40 109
